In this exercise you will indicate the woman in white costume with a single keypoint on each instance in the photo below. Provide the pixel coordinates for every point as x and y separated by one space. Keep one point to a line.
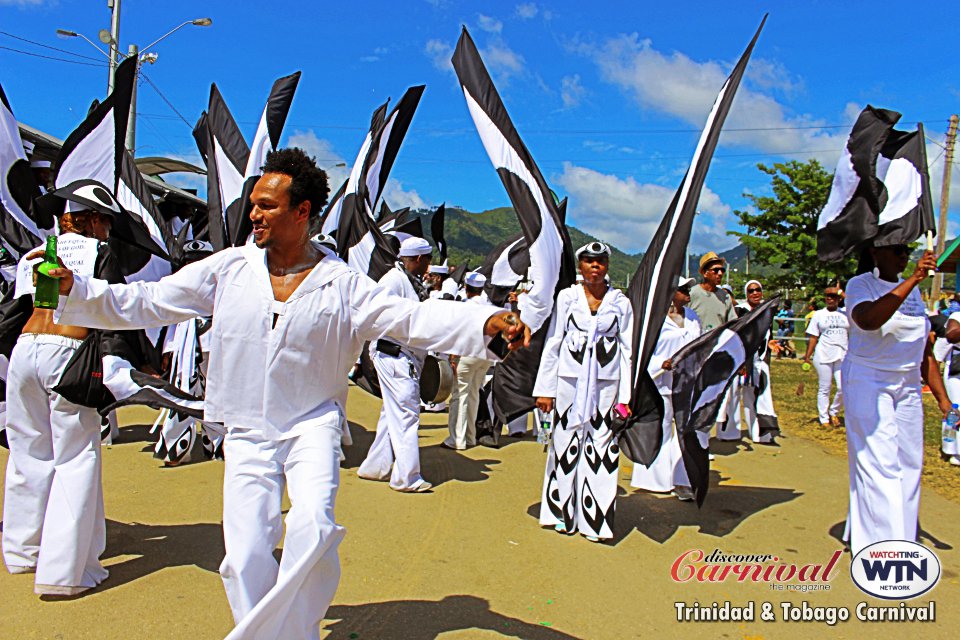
681 327
584 372
889 352
827 332
951 380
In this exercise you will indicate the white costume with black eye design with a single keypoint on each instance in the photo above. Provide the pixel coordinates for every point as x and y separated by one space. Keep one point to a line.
586 368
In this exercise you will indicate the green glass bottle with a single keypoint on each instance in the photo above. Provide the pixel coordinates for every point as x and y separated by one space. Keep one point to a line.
48 287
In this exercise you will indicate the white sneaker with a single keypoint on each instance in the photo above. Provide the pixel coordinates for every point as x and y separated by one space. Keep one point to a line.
421 487
58 590
17 569
954 460
684 494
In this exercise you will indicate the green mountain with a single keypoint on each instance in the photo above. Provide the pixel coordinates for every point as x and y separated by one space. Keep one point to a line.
471 236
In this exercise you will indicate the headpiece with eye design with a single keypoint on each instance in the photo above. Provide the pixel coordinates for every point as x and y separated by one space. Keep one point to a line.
89 194
593 250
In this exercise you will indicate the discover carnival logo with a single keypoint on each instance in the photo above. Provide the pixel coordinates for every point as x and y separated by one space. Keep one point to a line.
895 569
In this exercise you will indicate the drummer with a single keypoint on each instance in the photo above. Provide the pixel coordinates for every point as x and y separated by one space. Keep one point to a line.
395 452
470 372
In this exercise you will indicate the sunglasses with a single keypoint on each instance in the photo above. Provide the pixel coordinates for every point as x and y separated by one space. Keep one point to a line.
684 290
831 295
716 269
755 290
897 249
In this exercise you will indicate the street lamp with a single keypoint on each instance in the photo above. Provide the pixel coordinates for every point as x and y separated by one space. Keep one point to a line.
108 37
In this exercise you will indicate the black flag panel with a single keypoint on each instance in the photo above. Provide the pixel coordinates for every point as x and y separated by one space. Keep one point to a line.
436 231
880 192
702 372
551 257
19 230
652 286
227 154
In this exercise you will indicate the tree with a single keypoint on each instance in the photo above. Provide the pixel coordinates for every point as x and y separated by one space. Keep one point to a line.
782 228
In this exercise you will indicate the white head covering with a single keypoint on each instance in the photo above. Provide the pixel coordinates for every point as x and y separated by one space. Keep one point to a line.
593 249
40 164
438 268
474 279
684 282
750 282
414 246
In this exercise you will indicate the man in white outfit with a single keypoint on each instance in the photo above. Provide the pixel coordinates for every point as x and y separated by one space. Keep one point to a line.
465 402
289 320
395 452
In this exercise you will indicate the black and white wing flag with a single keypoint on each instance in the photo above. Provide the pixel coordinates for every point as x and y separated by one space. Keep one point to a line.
906 212
652 286
551 257
702 371
505 267
386 145
132 387
437 223
266 139
19 231
134 195
94 150
227 153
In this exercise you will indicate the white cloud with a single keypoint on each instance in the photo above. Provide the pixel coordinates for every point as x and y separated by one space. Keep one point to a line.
675 84
571 91
489 24
397 197
502 61
626 213
527 10
440 53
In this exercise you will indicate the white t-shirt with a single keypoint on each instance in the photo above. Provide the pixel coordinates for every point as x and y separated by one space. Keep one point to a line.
831 329
899 344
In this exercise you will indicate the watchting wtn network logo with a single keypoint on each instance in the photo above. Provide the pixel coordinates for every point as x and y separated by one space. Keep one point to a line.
895 569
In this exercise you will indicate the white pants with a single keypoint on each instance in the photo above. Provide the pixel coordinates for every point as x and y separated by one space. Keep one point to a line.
762 423
395 452
667 470
953 392
53 516
728 426
884 417
462 420
580 480
287 600
828 372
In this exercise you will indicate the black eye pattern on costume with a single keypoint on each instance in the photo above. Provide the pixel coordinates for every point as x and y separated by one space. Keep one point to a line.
576 353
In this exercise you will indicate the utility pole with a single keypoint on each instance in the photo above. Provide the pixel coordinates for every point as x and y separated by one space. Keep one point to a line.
114 6
944 203
133 52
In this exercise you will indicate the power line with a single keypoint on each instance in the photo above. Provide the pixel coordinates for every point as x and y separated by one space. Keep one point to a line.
46 46
38 55
466 130
164 98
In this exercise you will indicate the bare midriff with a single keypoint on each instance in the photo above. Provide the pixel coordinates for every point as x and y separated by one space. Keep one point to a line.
42 322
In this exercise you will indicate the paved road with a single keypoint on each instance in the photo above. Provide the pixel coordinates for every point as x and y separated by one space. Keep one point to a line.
469 561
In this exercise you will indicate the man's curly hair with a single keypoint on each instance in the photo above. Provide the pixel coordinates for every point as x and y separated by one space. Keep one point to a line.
308 182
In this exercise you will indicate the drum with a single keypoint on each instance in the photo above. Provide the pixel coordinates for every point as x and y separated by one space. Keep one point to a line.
436 380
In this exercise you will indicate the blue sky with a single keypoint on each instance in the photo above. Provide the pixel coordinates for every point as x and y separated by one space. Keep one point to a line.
608 96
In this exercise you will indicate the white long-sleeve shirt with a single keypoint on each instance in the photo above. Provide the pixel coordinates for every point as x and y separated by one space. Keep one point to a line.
277 367
398 283
570 328
672 338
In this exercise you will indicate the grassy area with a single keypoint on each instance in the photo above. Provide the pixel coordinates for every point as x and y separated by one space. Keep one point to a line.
798 417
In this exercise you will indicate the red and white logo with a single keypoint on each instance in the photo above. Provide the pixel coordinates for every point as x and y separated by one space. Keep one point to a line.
895 569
